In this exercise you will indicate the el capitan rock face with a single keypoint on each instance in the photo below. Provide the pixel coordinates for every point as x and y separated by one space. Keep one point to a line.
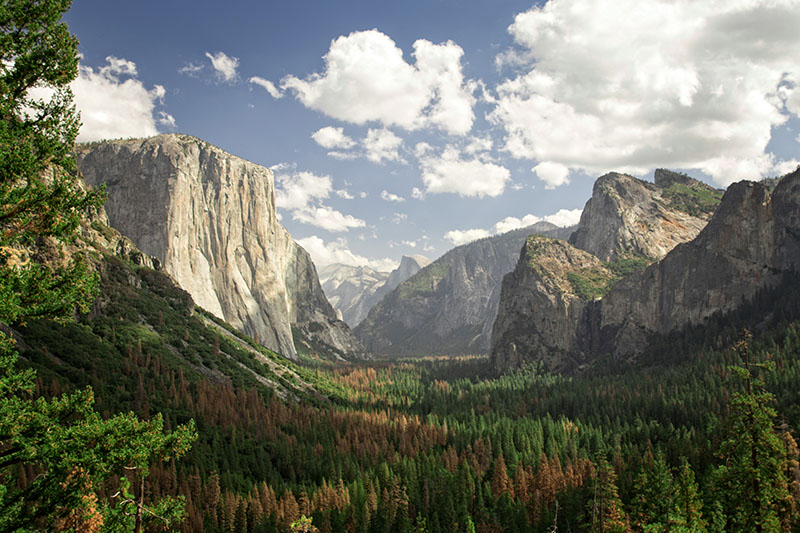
210 218
751 240
448 306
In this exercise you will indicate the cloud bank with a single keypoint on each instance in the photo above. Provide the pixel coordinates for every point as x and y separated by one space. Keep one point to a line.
635 84
563 218
337 251
302 194
451 172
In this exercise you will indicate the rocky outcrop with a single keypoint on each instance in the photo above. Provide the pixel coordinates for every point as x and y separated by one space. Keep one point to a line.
752 239
209 217
540 306
628 215
745 247
353 291
450 305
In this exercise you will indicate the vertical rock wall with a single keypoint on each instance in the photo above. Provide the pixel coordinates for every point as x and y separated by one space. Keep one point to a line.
210 218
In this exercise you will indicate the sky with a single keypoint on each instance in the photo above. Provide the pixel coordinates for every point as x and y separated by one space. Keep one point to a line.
399 128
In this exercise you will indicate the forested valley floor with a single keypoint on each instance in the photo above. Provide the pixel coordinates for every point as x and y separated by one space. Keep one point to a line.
439 443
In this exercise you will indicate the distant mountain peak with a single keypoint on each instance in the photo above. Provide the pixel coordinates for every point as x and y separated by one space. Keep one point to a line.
449 305
354 290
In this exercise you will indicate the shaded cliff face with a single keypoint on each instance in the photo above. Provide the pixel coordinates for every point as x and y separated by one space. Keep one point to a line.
751 240
450 305
537 323
353 291
740 251
209 217
626 214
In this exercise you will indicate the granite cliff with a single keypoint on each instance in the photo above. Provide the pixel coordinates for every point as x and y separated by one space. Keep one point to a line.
626 215
353 291
608 309
450 305
541 305
209 218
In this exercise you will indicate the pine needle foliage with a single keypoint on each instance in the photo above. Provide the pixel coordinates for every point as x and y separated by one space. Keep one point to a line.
68 447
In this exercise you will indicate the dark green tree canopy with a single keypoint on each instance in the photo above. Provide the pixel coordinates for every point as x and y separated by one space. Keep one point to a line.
72 449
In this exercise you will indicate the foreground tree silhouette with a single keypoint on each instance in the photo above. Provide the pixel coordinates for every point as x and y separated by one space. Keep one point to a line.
68 447
751 480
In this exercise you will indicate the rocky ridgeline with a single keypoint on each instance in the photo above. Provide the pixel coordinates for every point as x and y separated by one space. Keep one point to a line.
354 290
450 305
614 307
209 217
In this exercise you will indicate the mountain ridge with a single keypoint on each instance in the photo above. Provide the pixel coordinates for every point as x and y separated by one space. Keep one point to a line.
448 306
749 243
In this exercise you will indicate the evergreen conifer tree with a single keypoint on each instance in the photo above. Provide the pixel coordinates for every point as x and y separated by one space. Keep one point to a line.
752 477
604 510
69 446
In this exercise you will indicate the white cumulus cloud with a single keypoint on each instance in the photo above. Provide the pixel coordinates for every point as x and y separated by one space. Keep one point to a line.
382 145
302 194
327 218
635 84
563 218
330 137
553 174
224 66
366 79
337 251
266 85
450 172
114 103
459 237
512 223
391 197
298 190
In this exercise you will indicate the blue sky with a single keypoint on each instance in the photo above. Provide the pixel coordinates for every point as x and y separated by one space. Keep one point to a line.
403 128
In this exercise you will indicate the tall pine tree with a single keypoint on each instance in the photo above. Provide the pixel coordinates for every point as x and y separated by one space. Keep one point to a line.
71 449
751 480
